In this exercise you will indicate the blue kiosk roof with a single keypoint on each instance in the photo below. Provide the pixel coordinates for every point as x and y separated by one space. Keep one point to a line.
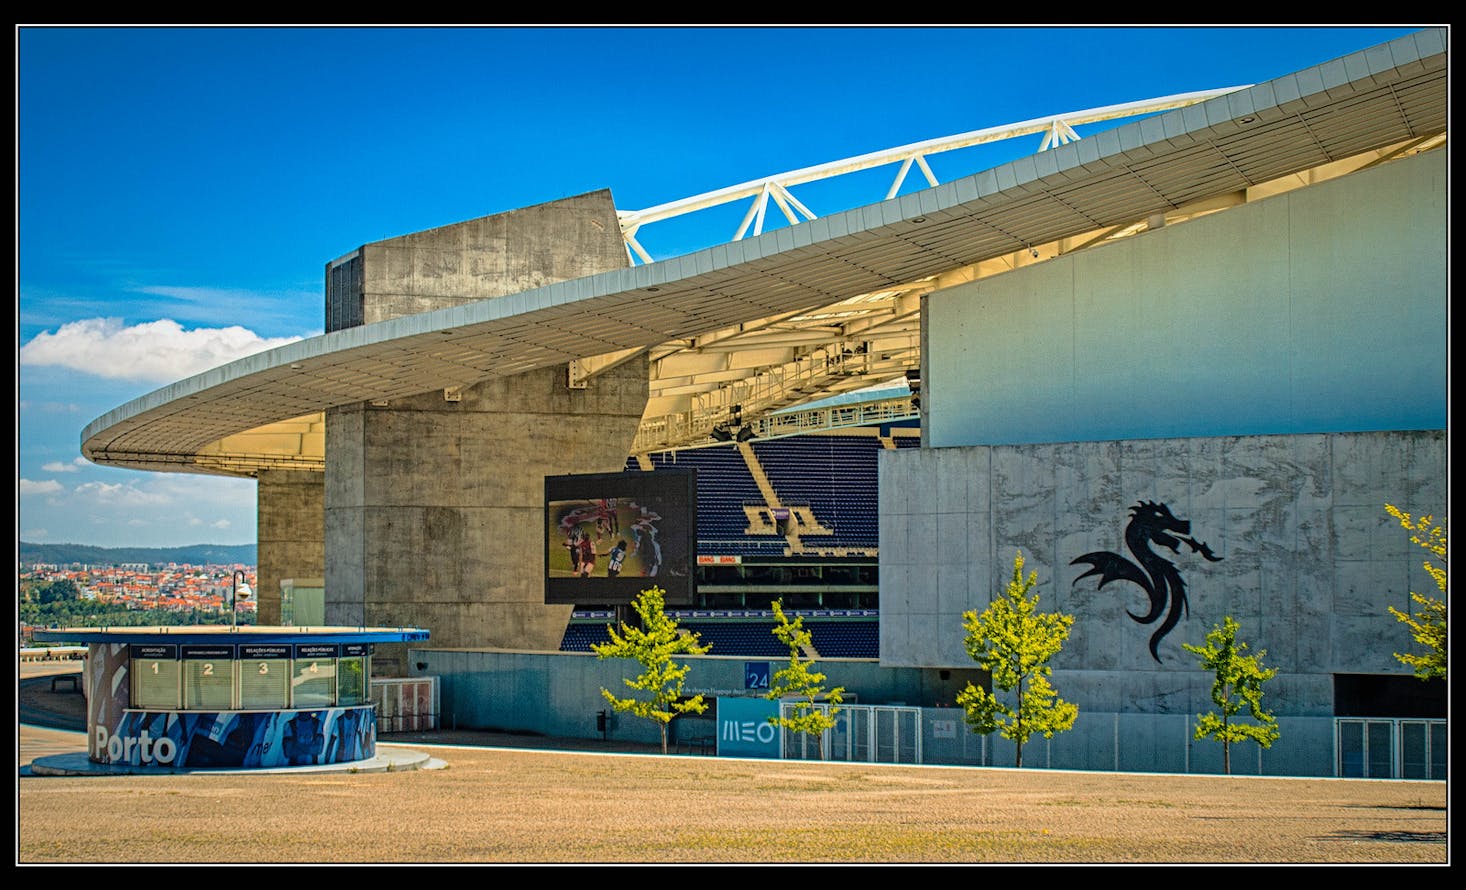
217 633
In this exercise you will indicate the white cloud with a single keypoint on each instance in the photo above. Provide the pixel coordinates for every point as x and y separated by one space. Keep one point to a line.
49 407
29 487
155 352
57 466
122 495
158 510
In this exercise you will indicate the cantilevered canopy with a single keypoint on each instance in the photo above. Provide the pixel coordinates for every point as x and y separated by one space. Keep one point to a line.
827 306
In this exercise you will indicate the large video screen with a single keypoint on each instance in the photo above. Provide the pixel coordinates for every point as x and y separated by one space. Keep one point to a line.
609 536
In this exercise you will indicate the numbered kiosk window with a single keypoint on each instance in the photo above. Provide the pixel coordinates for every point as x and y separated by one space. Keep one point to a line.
264 676
154 673
208 678
314 683
352 670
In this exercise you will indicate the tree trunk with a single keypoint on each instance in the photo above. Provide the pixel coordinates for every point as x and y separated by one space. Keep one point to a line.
1018 722
1226 743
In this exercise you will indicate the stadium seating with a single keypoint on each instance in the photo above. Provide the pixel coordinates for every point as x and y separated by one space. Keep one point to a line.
845 639
724 486
835 475
580 635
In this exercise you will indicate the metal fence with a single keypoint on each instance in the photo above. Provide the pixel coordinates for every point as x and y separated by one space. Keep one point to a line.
1391 749
1318 746
861 734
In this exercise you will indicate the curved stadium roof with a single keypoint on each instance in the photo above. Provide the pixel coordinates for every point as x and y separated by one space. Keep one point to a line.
851 276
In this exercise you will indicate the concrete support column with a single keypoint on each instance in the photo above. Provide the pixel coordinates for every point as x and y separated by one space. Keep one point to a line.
435 509
292 534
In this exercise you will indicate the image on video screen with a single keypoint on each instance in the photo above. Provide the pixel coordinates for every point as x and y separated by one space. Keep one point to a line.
634 531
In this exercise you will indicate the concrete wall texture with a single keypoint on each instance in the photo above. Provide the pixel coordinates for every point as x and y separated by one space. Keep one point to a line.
1309 562
433 504
492 256
291 534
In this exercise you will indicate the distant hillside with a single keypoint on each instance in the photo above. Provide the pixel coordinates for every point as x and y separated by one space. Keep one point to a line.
194 554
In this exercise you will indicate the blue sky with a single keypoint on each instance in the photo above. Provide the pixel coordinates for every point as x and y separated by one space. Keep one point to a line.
180 190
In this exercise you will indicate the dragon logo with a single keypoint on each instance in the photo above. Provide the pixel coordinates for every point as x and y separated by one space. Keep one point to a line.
1150 523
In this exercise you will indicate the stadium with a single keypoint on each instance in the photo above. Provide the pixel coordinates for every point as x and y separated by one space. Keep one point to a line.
1221 323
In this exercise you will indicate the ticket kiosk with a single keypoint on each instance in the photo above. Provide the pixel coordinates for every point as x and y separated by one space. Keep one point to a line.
229 697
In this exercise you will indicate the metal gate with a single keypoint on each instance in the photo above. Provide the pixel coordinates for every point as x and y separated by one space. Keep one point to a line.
1390 749
861 734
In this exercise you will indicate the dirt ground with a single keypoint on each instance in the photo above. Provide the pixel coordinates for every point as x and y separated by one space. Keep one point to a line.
529 801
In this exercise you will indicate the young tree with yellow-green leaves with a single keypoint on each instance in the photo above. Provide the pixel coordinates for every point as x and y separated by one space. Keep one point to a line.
1238 685
1013 642
654 646
814 713
1428 624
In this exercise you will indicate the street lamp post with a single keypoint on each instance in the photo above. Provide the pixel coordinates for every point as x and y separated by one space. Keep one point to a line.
239 588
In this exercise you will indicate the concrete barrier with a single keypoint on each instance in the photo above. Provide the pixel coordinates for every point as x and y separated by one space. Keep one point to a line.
53 653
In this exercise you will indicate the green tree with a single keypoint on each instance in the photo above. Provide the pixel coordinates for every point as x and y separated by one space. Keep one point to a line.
64 590
1428 624
1238 685
1013 642
653 645
814 713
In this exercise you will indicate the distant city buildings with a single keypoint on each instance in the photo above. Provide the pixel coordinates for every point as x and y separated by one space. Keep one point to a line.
174 587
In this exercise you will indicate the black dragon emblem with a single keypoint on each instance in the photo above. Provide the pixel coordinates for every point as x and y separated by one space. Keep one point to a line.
1150 523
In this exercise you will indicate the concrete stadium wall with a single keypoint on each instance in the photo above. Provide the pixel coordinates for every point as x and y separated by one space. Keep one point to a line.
441 504
291 534
434 504
492 256
559 693
1319 310
1274 374
1310 560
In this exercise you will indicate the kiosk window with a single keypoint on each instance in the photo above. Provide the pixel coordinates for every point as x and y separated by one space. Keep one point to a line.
264 683
155 683
315 683
208 684
351 681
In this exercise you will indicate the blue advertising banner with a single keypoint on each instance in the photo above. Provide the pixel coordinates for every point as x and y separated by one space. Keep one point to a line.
744 729
238 739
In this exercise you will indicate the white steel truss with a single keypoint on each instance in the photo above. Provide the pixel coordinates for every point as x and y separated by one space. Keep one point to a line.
1058 129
